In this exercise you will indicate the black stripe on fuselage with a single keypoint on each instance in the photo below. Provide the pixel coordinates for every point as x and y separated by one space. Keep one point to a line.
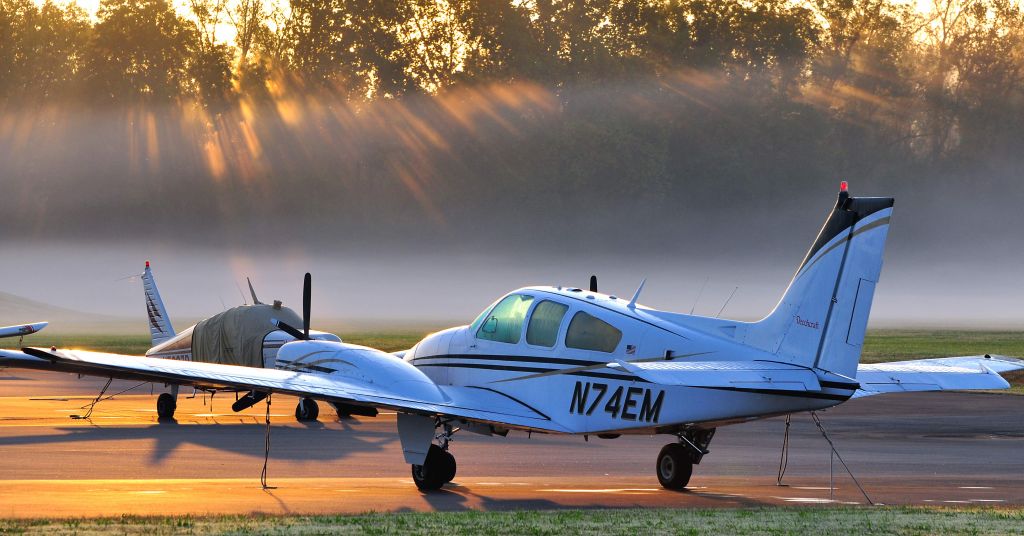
520 359
512 398
839 385
797 394
533 369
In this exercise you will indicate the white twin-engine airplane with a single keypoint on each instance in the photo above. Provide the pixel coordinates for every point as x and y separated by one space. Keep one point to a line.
574 361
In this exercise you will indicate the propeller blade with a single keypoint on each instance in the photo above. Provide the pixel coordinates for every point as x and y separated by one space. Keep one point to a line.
291 331
255 300
306 291
593 283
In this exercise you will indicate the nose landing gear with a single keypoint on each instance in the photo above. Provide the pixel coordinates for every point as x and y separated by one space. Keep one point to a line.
437 470
439 467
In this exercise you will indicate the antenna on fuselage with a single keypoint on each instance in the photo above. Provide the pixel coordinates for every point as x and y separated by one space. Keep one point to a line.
727 300
699 293
255 300
636 295
240 293
593 283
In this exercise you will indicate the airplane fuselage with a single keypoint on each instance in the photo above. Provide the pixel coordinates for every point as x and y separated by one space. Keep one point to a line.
562 369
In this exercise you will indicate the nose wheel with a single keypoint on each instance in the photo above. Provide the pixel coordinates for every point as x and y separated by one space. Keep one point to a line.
307 410
437 470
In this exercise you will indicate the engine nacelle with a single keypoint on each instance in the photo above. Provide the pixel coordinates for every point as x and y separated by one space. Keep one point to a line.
382 371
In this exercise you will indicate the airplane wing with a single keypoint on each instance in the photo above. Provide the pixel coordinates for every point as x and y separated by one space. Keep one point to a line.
414 396
967 372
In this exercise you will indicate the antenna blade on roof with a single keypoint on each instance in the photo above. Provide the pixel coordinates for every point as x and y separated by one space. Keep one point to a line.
255 300
636 295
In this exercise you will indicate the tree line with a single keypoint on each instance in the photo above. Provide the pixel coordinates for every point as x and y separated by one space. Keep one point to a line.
875 79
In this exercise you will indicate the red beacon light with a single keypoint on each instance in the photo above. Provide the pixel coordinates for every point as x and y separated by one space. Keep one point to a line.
843 187
147 262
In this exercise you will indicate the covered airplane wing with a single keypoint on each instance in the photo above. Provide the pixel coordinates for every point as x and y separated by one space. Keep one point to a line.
390 389
947 373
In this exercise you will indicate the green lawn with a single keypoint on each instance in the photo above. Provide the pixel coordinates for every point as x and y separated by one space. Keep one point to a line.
805 520
894 345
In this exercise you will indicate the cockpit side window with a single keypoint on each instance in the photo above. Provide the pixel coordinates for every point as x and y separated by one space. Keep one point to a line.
587 332
505 322
544 323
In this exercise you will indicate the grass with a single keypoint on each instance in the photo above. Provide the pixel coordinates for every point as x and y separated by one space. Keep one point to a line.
797 520
895 345
898 345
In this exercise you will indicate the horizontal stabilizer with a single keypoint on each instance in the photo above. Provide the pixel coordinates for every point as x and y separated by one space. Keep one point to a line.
947 373
725 374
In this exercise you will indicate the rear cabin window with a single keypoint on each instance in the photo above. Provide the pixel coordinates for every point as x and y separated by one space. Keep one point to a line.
505 323
544 323
590 333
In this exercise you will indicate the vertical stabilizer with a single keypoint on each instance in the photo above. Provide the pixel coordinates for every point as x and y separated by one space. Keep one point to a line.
821 319
159 323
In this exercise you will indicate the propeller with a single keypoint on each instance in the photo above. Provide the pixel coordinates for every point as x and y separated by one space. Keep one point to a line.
593 283
307 285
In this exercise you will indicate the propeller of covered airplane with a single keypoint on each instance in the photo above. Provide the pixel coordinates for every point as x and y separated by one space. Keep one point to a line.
307 283
252 397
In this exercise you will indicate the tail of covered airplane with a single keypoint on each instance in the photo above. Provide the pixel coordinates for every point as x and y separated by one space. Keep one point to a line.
159 323
821 318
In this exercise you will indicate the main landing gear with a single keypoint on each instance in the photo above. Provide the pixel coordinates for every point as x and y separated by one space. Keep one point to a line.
307 410
676 460
166 403
439 467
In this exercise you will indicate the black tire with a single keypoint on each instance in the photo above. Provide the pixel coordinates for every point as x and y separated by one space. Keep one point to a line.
674 467
436 468
307 410
165 406
449 466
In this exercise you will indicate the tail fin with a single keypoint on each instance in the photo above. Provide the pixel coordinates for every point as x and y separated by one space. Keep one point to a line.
159 323
821 318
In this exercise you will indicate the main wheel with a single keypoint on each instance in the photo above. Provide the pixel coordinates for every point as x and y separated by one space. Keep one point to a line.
307 410
674 466
448 464
165 406
437 469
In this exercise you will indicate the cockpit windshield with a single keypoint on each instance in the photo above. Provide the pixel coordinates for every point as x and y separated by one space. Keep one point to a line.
505 321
